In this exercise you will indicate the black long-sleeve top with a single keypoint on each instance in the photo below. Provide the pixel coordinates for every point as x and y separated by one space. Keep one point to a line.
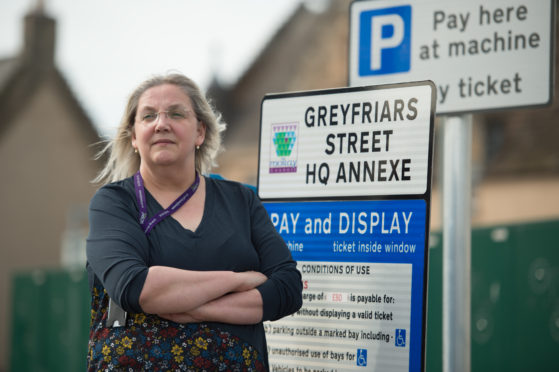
235 234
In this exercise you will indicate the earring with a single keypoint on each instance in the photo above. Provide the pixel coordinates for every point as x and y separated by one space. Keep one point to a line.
135 150
197 147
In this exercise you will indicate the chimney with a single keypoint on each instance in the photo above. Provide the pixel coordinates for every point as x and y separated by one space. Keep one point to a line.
39 38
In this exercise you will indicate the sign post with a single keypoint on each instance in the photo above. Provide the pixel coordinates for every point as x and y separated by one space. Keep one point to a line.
345 176
482 55
457 170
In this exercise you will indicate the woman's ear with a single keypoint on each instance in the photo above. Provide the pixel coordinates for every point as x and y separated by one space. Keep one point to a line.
201 133
133 138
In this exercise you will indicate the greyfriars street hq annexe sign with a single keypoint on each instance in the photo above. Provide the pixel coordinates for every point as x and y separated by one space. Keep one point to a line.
346 142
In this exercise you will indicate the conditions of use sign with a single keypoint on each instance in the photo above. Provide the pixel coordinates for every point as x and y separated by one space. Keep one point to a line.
345 177
481 54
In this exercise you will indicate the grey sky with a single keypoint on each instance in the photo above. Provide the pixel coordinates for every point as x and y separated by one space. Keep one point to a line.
106 47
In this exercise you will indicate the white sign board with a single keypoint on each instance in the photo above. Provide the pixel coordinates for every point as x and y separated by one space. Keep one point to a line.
365 326
346 142
481 54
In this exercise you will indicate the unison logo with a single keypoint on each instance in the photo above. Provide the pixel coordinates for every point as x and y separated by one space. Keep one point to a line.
385 41
283 157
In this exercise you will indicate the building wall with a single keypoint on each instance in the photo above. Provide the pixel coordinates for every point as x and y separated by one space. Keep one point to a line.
46 166
498 202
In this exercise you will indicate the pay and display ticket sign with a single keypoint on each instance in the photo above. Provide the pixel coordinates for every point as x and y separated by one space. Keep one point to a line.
345 177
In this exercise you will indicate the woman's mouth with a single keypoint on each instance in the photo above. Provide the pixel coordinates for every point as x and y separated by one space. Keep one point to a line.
163 142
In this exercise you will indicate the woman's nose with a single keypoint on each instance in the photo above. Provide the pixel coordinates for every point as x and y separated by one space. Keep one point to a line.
162 121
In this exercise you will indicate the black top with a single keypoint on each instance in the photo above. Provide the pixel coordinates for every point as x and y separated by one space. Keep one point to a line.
235 234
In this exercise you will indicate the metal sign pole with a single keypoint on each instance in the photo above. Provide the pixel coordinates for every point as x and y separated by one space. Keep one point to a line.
457 174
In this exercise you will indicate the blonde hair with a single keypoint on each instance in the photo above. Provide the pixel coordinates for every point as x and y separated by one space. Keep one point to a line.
123 162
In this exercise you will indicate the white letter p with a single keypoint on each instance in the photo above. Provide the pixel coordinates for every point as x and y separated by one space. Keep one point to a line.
378 43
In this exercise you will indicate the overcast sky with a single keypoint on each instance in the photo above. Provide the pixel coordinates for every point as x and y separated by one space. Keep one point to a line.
105 48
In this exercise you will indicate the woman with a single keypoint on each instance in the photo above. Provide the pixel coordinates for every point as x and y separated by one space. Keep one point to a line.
196 271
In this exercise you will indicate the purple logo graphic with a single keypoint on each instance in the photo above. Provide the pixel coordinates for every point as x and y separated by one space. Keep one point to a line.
283 156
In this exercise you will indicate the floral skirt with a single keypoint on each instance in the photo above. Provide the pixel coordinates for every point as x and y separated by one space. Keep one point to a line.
150 343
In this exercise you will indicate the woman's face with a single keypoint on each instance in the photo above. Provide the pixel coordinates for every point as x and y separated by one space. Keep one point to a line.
166 130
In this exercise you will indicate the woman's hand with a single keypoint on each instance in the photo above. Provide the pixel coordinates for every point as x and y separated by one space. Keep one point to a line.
241 306
182 294
233 308
169 290
250 280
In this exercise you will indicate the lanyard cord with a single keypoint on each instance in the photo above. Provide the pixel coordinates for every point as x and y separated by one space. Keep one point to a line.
142 204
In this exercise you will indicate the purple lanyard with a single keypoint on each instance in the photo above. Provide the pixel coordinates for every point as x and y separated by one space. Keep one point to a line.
141 198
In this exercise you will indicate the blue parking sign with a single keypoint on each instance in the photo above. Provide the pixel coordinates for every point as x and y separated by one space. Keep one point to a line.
385 41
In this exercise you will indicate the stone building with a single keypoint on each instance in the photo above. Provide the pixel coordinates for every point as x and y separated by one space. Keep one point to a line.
46 162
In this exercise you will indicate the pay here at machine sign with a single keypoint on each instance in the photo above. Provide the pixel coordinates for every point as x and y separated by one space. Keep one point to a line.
481 54
346 142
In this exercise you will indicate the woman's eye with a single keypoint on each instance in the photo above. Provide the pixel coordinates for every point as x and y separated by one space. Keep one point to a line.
149 117
177 115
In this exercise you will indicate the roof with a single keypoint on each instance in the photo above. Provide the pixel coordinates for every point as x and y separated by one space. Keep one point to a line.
296 58
21 75
7 69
